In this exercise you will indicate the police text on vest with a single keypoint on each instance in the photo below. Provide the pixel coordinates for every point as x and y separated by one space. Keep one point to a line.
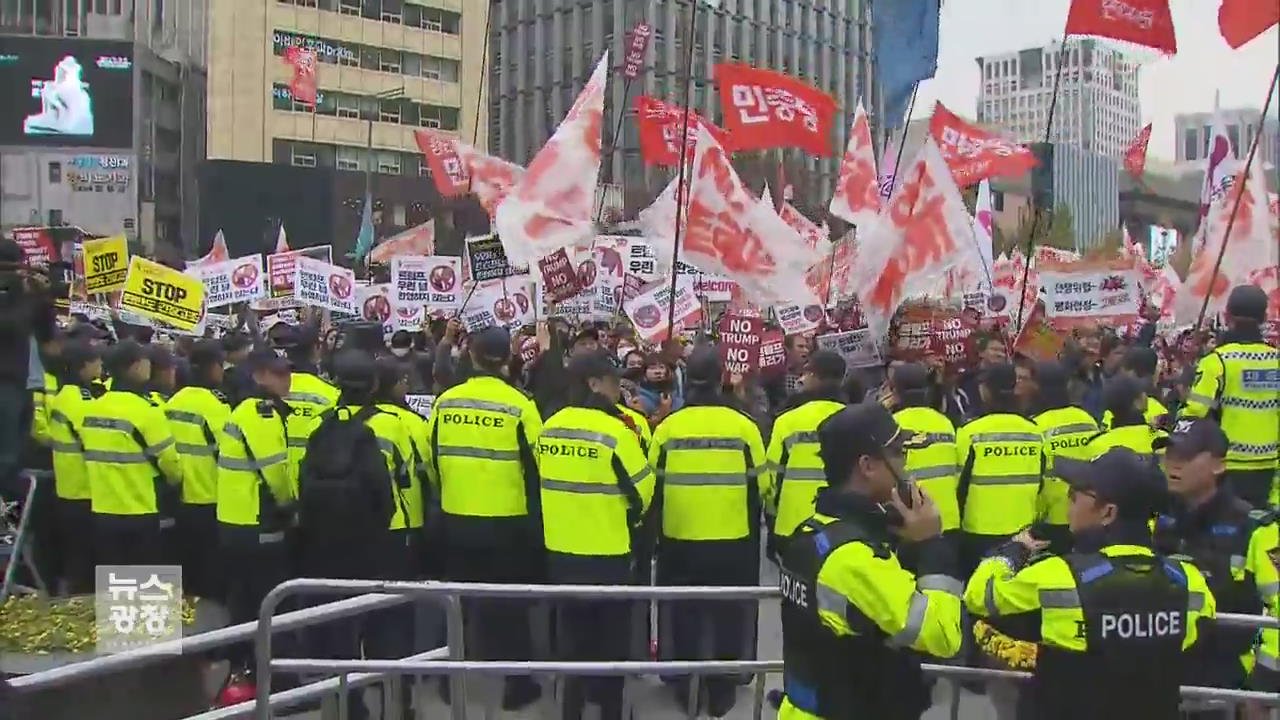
1128 626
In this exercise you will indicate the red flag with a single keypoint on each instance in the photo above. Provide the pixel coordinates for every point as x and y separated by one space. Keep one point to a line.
419 240
660 126
447 170
1141 22
1135 158
766 109
973 154
303 85
1243 20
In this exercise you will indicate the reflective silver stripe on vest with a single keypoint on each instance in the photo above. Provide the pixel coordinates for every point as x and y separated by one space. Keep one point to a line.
184 417
471 404
190 449
101 423
933 472
386 445
831 600
941 583
294 442
705 443
582 488
1064 599
227 463
805 474
802 436
1237 562
154 450
308 398
608 441
932 438
1071 429
1267 590
111 456
1270 662
915 621
989 598
65 447
57 416
995 437
1248 449
475 452
234 431
1005 480
1267 356
642 475
715 479
269 538
1202 399
1247 404
1195 601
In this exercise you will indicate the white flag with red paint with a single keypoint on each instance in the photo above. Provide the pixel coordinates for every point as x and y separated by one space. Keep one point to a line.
1164 292
552 206
816 237
922 234
217 253
420 240
658 224
732 233
282 240
857 199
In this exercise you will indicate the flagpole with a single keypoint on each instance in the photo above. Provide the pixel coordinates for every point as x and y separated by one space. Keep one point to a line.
1037 211
902 142
1235 209
684 151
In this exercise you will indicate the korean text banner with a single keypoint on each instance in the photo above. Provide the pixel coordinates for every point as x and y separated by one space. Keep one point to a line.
106 262
857 347
649 310
231 281
162 293
766 109
1090 291
486 258
973 154
280 267
431 280
660 127
321 284
447 169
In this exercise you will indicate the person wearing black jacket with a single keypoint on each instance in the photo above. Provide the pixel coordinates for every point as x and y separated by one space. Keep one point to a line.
26 318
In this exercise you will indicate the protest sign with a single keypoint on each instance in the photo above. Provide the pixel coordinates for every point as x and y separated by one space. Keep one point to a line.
608 271
773 354
280 268
324 285
232 281
559 279
797 319
431 280
106 263
37 245
857 347
505 302
162 293
739 344
486 258
649 310
1037 339
421 404
924 330
714 288
1087 292
376 304
641 260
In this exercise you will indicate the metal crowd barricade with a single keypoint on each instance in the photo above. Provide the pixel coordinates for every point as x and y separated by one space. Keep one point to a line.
456 667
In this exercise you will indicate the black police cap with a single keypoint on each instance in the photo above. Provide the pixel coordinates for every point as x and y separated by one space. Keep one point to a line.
1247 301
1120 476
1190 437
855 431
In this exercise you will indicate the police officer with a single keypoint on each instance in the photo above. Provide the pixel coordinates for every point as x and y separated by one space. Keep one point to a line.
854 621
1226 539
394 381
932 463
1003 464
1114 617
164 374
1126 404
82 366
708 456
596 489
1238 384
309 394
482 434
1067 428
197 413
132 464
51 357
1140 363
256 488
795 473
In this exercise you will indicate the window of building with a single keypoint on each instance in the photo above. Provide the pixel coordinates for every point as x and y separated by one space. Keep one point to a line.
389 61
389 111
388 162
348 158
348 106
302 156
392 11
349 7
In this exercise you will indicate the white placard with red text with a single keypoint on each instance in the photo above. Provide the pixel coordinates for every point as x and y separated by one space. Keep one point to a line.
231 281
649 310
857 347
320 284
1091 294
431 280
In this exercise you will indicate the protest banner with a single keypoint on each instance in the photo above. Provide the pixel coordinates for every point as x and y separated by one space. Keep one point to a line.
431 280
376 304
924 330
559 278
857 347
740 339
421 404
648 311
1037 339
487 259
642 260
1090 292
280 273
797 319
106 263
322 284
506 302
162 293
37 245
231 281
773 355
608 272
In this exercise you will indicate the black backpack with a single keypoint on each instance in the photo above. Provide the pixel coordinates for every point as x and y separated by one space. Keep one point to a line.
344 488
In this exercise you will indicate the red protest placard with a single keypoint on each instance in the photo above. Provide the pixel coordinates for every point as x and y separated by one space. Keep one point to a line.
740 339
36 244
637 44
559 278
773 354
924 331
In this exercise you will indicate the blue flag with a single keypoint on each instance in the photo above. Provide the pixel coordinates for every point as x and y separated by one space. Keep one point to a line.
905 33
364 241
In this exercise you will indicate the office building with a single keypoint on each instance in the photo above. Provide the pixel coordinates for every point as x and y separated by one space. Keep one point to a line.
543 51
1097 109
384 68
1193 130
1086 183
102 123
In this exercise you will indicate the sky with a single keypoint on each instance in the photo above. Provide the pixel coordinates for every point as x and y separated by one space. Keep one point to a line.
1167 86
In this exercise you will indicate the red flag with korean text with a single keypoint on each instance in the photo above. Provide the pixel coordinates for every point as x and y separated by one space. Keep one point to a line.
857 198
1141 22
447 169
920 236
766 109
731 233
1135 158
973 154
660 125
1240 21
303 85
552 206
487 177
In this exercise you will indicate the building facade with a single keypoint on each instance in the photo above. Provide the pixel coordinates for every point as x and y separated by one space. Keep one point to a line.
543 51
385 68
117 151
1097 108
1086 183
1193 130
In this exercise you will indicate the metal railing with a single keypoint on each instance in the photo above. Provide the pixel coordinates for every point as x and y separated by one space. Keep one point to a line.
456 667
